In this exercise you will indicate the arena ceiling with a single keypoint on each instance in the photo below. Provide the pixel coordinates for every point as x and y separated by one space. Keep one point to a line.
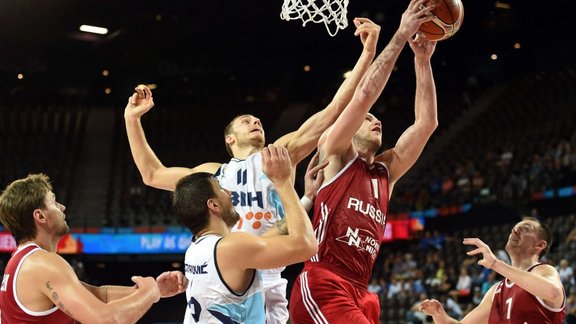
212 46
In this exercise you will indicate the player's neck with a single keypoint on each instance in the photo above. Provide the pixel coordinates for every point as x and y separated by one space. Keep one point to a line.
46 243
367 156
244 152
524 263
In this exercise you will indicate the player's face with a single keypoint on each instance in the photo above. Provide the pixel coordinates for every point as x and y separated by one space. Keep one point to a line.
228 213
54 212
371 131
248 131
524 236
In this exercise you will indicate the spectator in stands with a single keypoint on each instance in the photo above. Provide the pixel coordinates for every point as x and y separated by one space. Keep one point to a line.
566 274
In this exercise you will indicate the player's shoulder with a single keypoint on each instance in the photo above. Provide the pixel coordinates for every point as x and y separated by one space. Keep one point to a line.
44 264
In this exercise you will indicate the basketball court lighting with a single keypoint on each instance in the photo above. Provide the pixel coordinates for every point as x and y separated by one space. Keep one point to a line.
20 76
517 45
346 74
152 86
94 29
494 57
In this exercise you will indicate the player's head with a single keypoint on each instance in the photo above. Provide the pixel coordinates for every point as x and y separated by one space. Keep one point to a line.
369 135
197 197
28 203
530 236
244 131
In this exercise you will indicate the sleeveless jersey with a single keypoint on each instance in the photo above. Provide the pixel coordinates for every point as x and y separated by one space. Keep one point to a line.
209 299
512 304
12 310
349 220
253 194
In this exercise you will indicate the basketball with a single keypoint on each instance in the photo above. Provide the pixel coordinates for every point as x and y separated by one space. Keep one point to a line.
448 19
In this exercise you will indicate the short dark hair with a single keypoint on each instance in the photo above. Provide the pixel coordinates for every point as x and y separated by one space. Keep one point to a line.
544 233
18 202
189 200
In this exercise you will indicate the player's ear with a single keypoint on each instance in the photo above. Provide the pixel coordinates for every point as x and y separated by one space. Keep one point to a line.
230 139
213 205
542 245
38 215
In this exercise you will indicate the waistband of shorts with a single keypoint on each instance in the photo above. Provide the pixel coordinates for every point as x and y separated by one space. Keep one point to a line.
351 277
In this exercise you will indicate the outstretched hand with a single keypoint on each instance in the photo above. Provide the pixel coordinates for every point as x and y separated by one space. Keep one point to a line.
171 283
488 258
415 15
314 176
149 285
368 32
422 48
140 102
276 163
431 307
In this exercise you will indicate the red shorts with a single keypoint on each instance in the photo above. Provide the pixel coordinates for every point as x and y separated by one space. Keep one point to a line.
321 296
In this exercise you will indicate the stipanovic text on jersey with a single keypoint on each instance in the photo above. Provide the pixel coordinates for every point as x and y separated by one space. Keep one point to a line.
196 269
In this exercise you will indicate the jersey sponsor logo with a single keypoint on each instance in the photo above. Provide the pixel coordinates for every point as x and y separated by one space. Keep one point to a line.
362 240
196 269
247 199
367 209
5 282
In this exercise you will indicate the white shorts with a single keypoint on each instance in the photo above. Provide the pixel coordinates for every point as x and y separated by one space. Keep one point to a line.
275 298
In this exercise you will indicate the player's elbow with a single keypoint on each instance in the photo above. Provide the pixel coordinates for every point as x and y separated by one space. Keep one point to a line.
308 247
555 295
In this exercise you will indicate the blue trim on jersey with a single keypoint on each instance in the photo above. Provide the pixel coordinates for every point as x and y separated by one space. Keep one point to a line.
274 200
222 318
250 311
222 279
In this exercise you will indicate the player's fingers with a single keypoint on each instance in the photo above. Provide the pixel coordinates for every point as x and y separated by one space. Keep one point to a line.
265 154
319 167
363 20
314 160
273 151
148 92
474 252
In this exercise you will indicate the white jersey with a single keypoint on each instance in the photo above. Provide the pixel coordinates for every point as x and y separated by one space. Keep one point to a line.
258 204
209 299
253 194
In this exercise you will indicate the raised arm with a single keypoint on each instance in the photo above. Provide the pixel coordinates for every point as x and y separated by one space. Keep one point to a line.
339 137
245 251
302 142
153 172
56 280
543 282
412 141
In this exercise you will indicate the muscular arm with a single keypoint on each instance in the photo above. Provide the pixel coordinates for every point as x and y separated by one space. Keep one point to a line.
412 141
543 282
479 314
56 280
153 172
109 293
302 142
244 251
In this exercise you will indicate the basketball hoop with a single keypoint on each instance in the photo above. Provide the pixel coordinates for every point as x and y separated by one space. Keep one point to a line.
331 12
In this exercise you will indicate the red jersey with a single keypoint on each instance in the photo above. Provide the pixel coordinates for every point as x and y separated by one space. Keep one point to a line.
12 310
512 304
349 220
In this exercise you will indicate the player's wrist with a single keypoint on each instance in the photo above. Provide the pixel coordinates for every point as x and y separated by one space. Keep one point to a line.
306 202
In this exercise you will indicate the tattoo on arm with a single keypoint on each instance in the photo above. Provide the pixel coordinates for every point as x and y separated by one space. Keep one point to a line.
56 300
282 227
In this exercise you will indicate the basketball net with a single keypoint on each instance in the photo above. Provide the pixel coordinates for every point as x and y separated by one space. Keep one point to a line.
331 12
